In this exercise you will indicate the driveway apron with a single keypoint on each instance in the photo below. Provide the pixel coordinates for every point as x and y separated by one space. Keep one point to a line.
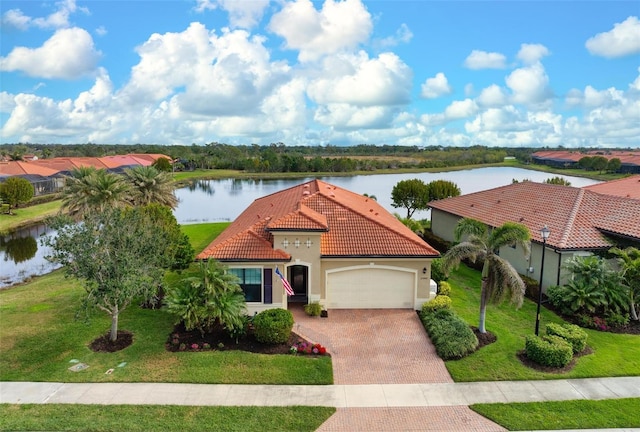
384 346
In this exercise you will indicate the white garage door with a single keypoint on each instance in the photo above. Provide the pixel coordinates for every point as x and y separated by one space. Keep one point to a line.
370 288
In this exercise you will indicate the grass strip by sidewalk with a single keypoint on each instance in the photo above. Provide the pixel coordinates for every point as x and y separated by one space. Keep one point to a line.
577 414
167 418
613 354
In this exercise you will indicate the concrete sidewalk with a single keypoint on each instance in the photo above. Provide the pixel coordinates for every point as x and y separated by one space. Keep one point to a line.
339 396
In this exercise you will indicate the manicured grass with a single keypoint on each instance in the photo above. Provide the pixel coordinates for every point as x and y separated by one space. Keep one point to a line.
203 234
40 336
165 418
578 414
596 175
28 215
613 354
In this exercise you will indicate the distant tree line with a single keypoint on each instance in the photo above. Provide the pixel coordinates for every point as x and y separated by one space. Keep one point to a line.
278 157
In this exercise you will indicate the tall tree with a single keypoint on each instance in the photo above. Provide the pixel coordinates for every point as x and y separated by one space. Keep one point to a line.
499 279
411 194
162 164
148 185
117 253
441 189
16 190
599 163
90 190
614 165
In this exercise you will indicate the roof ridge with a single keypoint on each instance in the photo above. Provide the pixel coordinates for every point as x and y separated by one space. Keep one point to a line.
572 217
367 216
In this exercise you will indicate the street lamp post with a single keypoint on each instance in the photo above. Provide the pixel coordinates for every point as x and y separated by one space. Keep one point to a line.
544 233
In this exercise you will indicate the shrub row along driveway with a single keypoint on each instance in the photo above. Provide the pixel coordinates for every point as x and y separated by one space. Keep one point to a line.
386 346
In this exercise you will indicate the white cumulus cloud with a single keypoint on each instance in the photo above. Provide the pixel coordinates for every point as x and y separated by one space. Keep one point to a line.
492 96
436 87
485 60
243 14
532 53
529 85
338 26
57 19
68 54
622 40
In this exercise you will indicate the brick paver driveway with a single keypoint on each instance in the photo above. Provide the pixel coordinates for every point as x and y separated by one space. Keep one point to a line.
385 346
375 346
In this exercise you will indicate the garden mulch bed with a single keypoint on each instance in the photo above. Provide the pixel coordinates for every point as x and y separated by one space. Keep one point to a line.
219 340
103 344
484 339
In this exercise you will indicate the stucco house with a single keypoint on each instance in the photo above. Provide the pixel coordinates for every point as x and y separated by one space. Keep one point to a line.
334 246
581 222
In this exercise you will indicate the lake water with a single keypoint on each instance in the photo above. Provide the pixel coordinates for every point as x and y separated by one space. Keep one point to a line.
22 255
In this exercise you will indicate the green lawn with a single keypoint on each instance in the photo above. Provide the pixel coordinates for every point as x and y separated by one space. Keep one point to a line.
167 418
203 234
28 215
40 337
613 354
579 414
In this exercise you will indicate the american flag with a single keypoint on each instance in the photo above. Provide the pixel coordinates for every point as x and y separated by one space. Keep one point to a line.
285 283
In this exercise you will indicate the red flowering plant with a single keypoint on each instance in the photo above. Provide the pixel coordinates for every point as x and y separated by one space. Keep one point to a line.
308 348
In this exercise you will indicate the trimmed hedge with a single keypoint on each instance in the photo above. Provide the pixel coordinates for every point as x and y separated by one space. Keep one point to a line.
273 326
444 288
450 334
439 302
550 351
571 333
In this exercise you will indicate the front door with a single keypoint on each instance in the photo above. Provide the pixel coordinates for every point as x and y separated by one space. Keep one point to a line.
298 277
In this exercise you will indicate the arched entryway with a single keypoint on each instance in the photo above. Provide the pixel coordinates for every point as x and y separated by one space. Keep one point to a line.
298 276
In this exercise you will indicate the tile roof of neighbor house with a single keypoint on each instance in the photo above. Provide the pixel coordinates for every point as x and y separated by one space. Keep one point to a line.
20 168
51 167
628 187
577 218
352 225
631 157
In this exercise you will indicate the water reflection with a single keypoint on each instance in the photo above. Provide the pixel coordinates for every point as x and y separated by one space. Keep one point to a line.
203 186
23 257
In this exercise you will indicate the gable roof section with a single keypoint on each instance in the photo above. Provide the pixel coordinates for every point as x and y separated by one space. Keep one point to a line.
20 168
628 187
576 217
352 225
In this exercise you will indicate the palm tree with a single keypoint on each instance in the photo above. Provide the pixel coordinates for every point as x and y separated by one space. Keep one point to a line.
88 189
499 279
629 260
151 186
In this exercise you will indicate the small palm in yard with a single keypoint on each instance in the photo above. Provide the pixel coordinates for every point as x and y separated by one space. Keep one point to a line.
213 297
499 279
150 185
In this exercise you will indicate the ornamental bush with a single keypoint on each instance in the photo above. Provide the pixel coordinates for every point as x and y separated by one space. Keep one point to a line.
436 271
444 288
571 333
450 334
439 302
550 351
313 308
273 326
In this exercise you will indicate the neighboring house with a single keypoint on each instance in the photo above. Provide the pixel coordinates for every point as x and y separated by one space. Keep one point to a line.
581 222
47 175
334 246
628 187
630 159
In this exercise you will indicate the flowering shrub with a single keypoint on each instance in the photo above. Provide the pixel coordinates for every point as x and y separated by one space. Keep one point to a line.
308 348
206 346
195 346
600 323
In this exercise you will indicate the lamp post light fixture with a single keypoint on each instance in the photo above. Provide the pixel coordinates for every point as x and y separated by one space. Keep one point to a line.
544 233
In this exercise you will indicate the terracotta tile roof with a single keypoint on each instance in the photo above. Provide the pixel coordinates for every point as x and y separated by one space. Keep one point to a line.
576 217
19 168
50 167
628 187
357 226
630 157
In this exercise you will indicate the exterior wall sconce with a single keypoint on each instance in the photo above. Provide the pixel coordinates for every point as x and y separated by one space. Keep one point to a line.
424 270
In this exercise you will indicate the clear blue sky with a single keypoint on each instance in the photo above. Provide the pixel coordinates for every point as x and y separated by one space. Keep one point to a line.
496 73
